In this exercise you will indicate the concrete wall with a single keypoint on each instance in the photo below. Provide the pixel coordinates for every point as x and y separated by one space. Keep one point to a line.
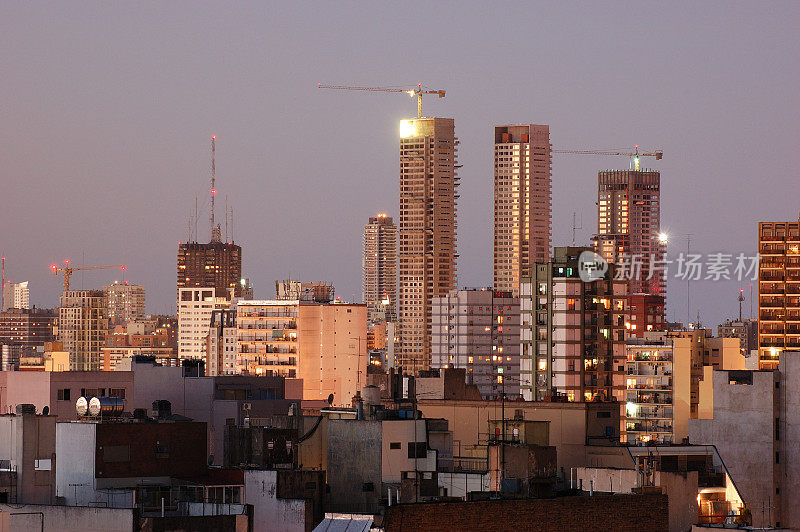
469 422
681 490
743 430
395 461
269 512
460 484
354 458
789 468
69 519
21 387
75 474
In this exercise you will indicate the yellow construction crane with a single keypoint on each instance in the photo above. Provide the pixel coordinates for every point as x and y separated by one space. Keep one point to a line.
67 270
634 157
418 92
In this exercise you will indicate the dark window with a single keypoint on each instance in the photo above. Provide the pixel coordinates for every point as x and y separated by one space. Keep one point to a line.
394 445
368 486
64 394
604 414
777 384
418 449
117 392
777 428
311 485
162 451
777 457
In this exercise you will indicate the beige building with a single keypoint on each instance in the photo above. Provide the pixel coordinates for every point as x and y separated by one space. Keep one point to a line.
522 202
380 263
427 252
83 327
325 345
669 381
778 290
125 302
628 226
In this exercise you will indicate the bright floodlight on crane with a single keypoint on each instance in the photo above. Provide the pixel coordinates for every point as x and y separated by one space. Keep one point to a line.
418 91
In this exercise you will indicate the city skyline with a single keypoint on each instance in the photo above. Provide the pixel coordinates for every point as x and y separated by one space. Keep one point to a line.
149 141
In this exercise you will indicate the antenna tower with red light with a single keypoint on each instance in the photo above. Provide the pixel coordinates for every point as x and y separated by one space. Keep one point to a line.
216 232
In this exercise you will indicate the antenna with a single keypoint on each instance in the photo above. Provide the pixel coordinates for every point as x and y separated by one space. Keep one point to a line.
741 299
3 288
215 232
195 218
226 217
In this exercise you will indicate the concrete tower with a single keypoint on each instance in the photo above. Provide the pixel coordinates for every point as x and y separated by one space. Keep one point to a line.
427 253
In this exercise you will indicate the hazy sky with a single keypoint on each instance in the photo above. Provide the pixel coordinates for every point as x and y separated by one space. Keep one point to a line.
107 110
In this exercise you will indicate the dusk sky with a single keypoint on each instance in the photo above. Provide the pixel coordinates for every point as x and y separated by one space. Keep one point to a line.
108 109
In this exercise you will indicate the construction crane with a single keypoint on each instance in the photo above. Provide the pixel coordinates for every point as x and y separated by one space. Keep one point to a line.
418 92
68 270
634 157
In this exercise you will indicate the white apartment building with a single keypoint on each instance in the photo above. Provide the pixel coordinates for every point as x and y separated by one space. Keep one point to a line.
16 295
195 306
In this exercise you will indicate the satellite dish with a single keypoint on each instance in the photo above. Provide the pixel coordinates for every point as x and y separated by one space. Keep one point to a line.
46 411
330 399
82 406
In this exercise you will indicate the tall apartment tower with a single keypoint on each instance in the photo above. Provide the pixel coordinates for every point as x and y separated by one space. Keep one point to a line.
427 230
522 202
380 262
216 265
628 224
83 327
572 332
16 295
778 291
125 302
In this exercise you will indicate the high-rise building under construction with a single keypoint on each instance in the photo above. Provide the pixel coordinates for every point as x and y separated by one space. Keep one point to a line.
380 263
522 202
427 232
215 265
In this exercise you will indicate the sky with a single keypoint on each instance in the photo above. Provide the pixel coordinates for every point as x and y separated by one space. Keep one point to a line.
107 111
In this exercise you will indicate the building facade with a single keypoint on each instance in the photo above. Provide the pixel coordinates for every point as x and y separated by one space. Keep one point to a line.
628 227
427 232
572 332
16 295
125 302
195 306
323 344
380 263
83 327
478 330
778 290
522 202
221 349
215 265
